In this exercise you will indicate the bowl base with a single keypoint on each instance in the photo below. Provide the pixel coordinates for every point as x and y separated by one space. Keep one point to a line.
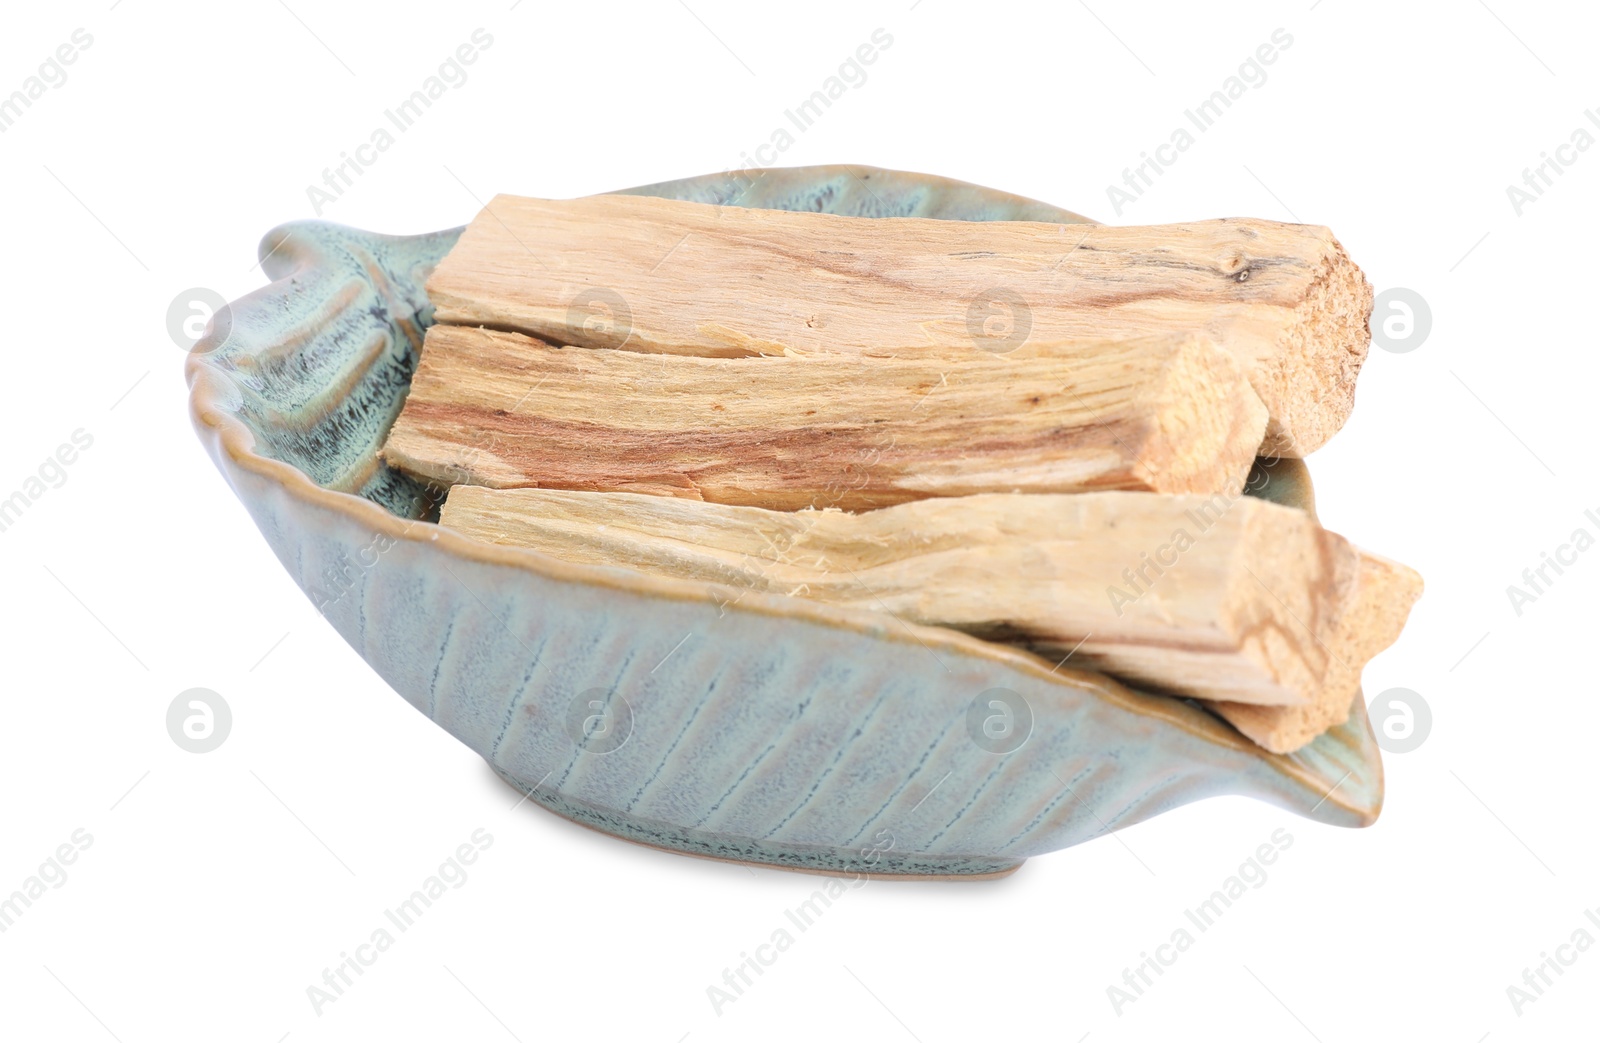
877 860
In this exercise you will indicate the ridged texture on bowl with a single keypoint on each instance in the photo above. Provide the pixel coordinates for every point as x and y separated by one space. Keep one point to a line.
763 728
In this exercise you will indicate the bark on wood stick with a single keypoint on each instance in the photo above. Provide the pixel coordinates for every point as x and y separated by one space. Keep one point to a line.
1228 598
659 275
1169 413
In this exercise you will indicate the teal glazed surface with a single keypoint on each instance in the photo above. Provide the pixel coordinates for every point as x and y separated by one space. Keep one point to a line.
763 729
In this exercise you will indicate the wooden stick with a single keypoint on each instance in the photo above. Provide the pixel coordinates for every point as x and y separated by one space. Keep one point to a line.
658 275
1230 598
1172 413
1385 592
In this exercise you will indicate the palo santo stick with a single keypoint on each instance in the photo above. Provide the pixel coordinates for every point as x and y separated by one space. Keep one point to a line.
1385 592
1214 597
659 275
1169 414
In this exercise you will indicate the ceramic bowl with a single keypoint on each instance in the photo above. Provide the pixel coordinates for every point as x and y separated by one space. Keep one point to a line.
759 729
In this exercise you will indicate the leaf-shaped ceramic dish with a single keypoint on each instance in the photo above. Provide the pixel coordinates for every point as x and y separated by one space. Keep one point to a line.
762 729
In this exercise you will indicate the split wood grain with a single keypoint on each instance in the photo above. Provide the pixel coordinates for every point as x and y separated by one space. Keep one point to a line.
659 275
1234 599
1170 413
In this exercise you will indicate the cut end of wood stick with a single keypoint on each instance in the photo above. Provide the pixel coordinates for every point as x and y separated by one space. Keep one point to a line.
1310 385
1205 417
1240 595
1171 413
1385 592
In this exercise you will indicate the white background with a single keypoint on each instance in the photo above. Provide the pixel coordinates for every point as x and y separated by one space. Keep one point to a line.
219 886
